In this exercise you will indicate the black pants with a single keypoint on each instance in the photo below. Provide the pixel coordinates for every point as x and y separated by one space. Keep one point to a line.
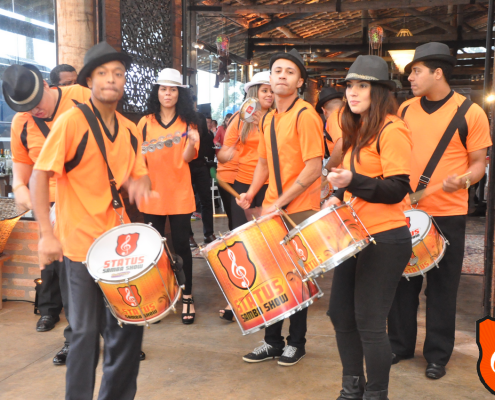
201 179
441 296
226 200
89 319
238 214
363 289
179 225
298 321
53 294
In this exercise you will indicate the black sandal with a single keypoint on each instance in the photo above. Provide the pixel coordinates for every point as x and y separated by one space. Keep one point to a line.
188 321
228 315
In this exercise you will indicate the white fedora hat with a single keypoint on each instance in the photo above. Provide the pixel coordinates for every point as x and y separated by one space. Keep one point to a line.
170 77
261 78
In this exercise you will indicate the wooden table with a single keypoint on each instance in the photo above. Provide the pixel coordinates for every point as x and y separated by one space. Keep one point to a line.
3 258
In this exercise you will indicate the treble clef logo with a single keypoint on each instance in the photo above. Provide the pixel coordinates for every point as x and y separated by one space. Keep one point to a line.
299 251
237 270
130 297
125 247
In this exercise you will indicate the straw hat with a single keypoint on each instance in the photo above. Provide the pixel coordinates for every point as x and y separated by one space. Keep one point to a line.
170 77
261 78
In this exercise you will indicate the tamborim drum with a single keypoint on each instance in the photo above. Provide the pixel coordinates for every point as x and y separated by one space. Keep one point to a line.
327 239
258 278
248 108
134 273
428 243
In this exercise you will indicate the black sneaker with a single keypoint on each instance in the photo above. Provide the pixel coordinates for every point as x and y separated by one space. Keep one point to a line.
263 353
291 356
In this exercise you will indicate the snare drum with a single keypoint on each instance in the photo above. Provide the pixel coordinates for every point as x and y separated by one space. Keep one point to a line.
257 276
428 243
327 239
134 273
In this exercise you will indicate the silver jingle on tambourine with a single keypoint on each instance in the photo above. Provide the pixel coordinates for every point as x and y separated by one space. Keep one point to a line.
160 145
151 148
153 141
248 108
169 143
144 149
176 139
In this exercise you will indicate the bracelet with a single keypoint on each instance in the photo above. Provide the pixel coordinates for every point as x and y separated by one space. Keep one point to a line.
17 187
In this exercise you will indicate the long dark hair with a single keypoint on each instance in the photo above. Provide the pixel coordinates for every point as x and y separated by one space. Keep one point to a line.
184 106
359 131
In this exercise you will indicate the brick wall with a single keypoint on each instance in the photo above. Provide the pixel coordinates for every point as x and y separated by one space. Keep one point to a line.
19 272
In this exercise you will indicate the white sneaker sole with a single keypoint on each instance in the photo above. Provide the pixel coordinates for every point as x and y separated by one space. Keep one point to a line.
284 364
248 360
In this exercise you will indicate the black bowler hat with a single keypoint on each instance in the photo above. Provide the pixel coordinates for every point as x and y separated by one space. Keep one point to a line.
327 94
372 69
431 51
22 87
100 54
293 56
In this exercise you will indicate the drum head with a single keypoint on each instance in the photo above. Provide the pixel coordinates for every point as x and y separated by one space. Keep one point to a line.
419 224
124 252
248 108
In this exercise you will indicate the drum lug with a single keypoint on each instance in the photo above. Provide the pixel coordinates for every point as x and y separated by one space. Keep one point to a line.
183 287
120 324
174 310
85 263
407 278
150 224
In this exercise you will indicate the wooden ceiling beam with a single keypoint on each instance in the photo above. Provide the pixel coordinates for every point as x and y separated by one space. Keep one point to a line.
287 32
431 20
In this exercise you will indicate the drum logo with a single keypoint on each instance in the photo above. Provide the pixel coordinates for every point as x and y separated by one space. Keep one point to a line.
485 339
240 269
131 299
299 248
126 244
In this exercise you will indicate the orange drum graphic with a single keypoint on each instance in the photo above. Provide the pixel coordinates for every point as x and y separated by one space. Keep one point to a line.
428 244
327 239
134 273
257 276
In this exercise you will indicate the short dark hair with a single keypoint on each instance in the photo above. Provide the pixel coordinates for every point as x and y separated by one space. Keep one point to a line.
55 73
215 121
446 68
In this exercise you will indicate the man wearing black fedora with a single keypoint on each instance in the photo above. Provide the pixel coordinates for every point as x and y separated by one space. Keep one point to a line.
450 138
38 107
91 165
329 102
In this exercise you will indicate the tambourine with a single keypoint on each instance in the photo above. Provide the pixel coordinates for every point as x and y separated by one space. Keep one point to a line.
168 141
248 108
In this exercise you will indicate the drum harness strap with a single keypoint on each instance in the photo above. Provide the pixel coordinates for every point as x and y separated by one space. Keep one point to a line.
276 160
42 126
454 124
95 128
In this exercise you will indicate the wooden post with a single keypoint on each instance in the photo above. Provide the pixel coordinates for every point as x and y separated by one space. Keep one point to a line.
176 35
75 31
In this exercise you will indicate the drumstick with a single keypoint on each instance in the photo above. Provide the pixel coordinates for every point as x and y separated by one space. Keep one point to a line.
430 190
225 186
287 217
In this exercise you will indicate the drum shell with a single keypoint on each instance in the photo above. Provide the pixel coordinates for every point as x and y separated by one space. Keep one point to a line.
428 250
275 289
326 239
155 302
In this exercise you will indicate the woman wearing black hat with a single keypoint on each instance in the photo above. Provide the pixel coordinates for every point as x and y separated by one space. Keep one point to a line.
375 178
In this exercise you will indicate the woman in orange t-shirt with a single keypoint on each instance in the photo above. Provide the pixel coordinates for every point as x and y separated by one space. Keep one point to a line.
171 116
375 179
241 143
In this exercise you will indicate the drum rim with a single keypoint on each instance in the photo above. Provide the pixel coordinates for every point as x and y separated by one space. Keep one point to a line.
312 219
143 272
430 221
432 265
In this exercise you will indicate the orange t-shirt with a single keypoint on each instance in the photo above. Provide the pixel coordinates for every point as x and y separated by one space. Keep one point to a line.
84 201
26 138
299 139
228 171
333 129
427 130
248 152
394 159
169 173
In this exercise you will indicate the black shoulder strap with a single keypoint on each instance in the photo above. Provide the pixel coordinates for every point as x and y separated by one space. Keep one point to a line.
456 122
263 123
95 128
298 114
144 131
404 110
276 160
43 127
379 135
327 135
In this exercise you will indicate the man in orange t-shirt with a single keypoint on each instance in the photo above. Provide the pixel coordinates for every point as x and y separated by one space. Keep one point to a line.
297 129
30 128
85 211
427 115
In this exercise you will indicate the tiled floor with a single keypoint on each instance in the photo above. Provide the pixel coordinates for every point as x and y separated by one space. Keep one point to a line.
203 361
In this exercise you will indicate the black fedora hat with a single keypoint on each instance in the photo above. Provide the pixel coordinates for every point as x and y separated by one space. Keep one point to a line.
372 69
431 51
22 87
327 94
100 54
293 56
